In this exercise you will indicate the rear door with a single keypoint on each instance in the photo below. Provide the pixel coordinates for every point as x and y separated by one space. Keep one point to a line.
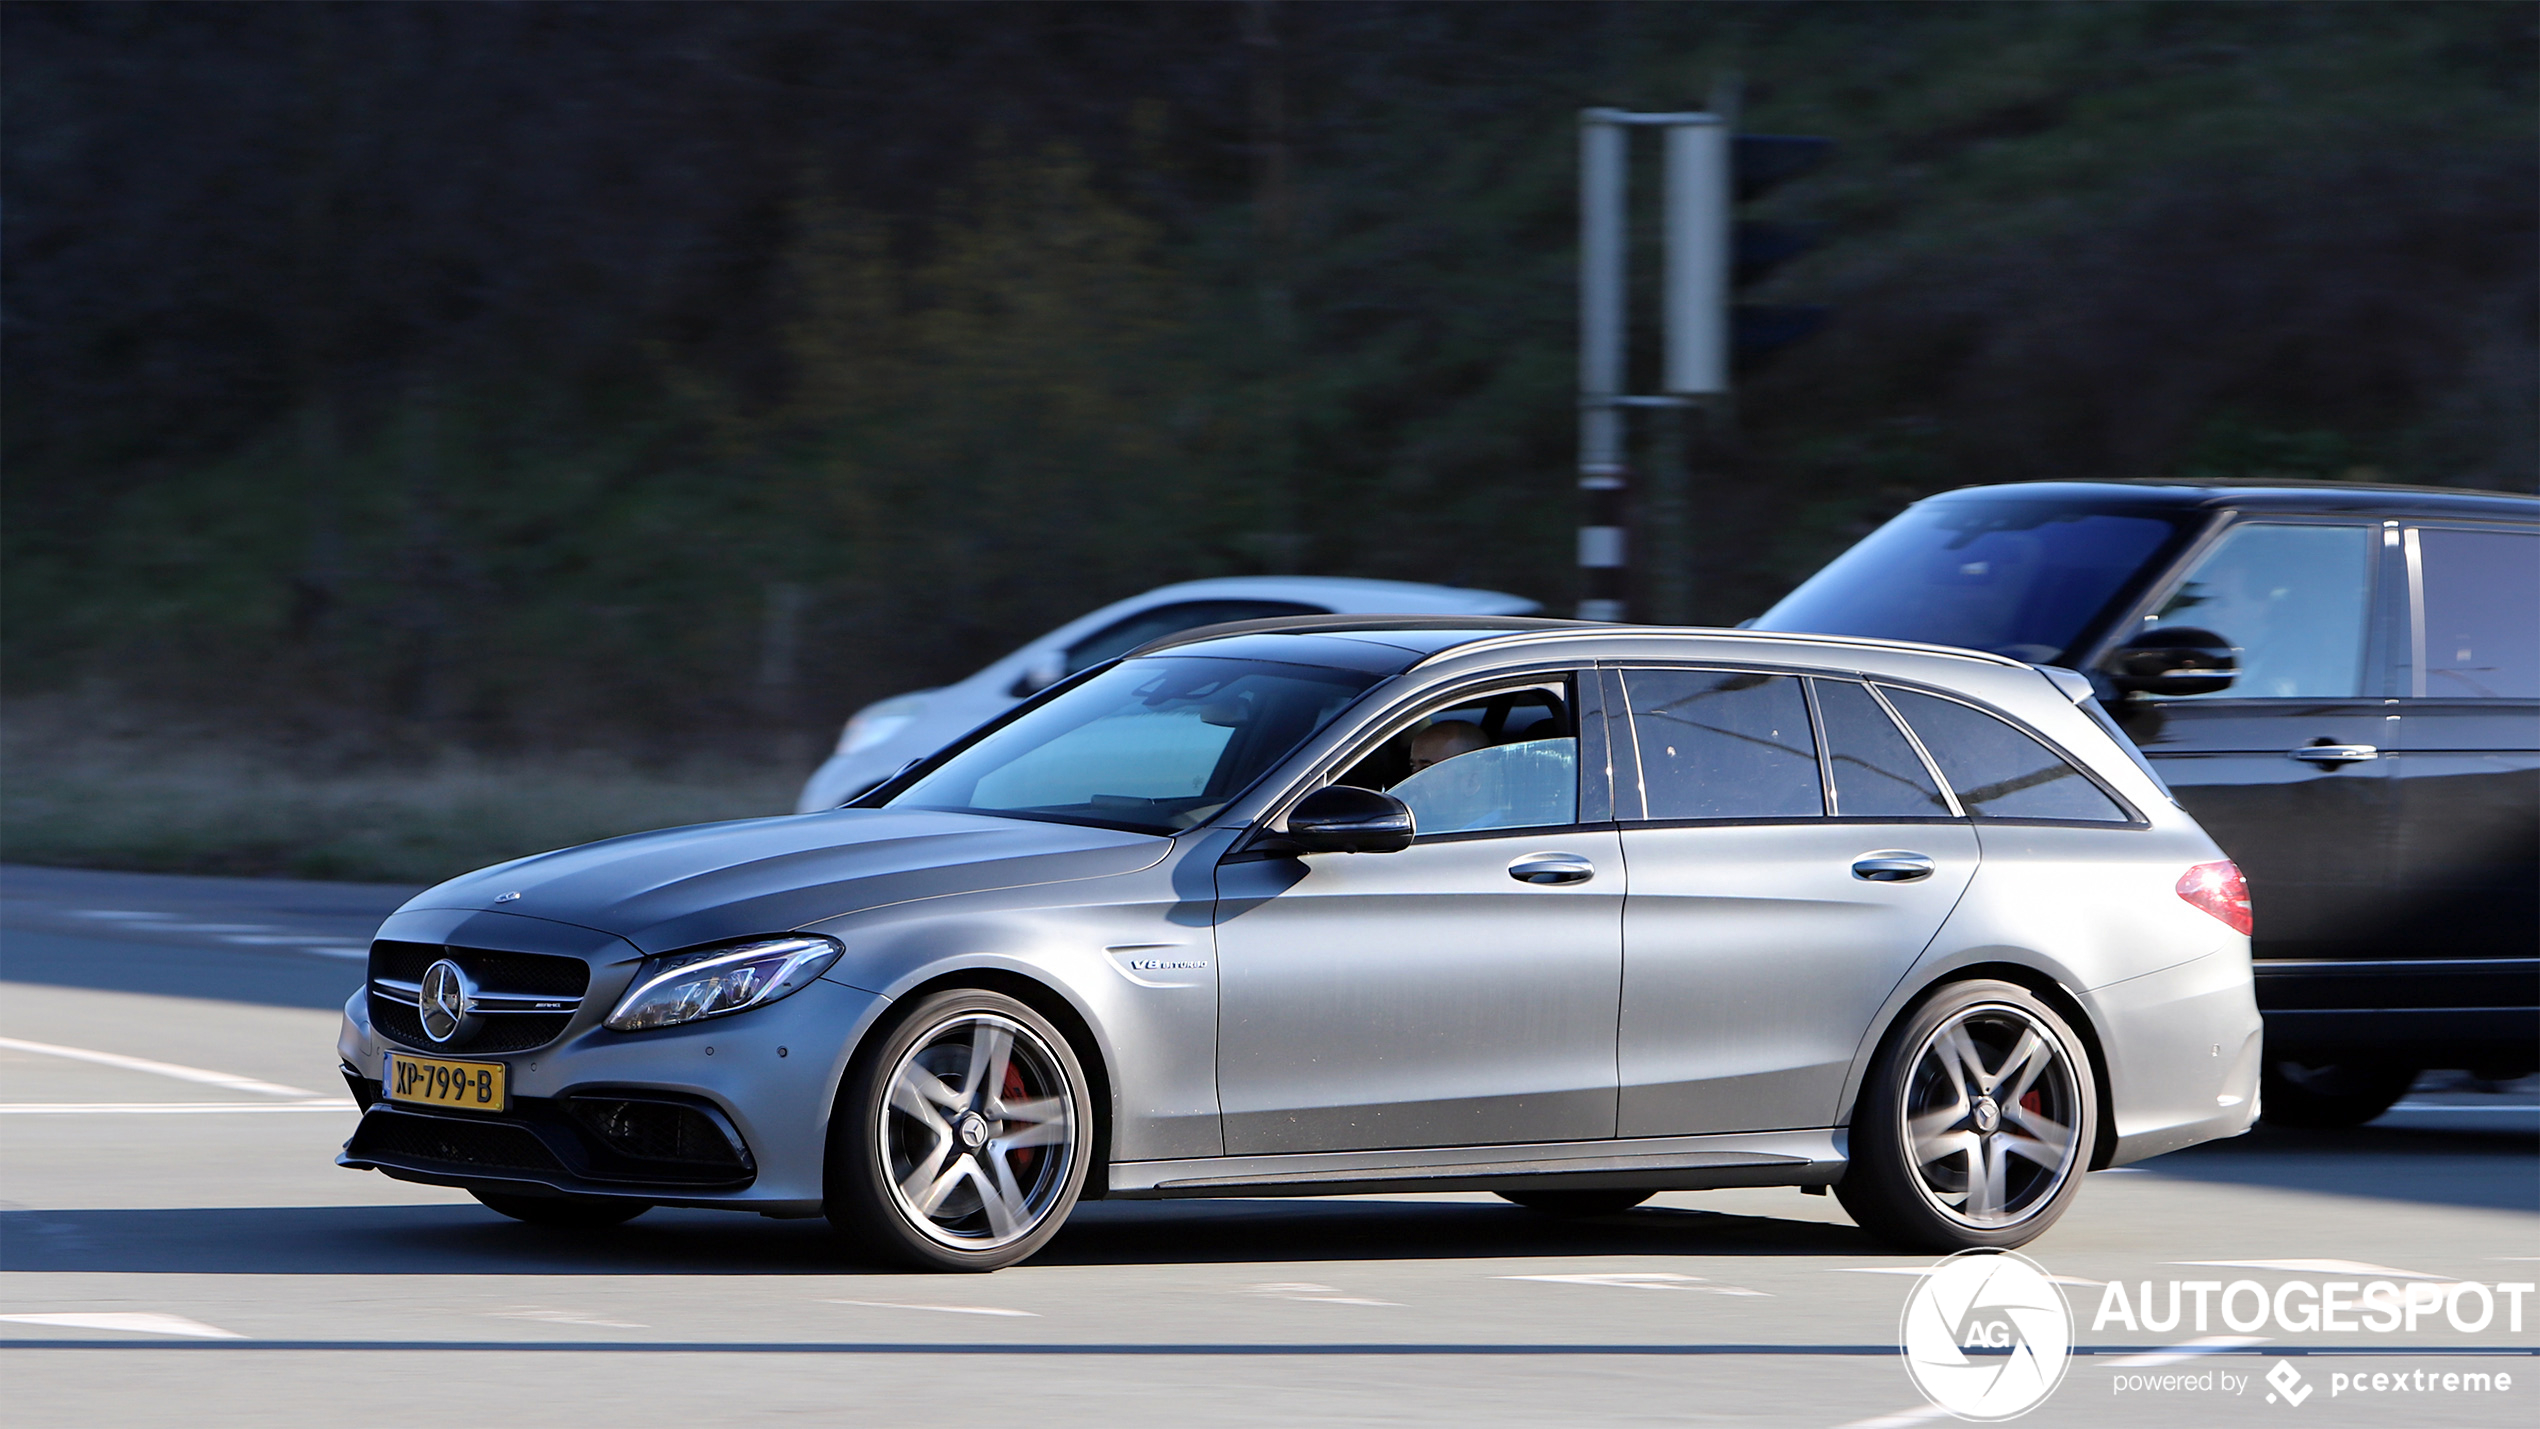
1775 901
2466 777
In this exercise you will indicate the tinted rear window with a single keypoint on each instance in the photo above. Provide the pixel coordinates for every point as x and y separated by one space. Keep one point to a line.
1998 771
1720 745
1876 773
2019 578
2482 614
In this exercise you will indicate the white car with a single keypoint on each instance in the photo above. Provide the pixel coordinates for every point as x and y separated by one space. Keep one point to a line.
884 736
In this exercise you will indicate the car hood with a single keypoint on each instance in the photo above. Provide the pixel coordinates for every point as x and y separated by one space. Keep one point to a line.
677 888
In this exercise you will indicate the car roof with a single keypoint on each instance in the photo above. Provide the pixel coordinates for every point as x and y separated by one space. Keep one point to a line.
2268 494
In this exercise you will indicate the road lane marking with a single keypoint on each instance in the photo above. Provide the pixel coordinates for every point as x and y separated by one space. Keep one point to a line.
298 942
223 1080
2317 1267
1926 1270
563 1317
1641 1280
118 915
134 1321
164 1108
2188 1350
939 1309
1312 1294
1902 1418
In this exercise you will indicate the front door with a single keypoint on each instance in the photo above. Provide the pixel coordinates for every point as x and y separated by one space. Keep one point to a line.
2288 768
1460 992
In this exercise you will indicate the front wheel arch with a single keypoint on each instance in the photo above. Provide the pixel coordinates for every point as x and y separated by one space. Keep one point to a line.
1048 1002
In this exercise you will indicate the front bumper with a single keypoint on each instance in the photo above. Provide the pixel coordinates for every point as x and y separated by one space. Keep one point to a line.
756 1089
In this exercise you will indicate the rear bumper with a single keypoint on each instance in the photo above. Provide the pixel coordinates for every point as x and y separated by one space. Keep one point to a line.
2444 1013
2182 1048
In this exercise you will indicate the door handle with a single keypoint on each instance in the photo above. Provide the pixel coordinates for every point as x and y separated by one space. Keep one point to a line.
1893 866
1552 868
2333 753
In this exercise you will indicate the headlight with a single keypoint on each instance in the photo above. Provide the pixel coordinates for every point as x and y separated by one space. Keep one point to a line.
876 723
713 981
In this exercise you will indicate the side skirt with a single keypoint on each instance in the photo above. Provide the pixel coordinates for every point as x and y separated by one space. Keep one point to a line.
1668 1163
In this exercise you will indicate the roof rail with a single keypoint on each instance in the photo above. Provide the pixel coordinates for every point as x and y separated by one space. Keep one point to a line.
1356 624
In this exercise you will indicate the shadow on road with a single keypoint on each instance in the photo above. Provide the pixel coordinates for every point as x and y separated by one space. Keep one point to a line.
465 1240
2486 1170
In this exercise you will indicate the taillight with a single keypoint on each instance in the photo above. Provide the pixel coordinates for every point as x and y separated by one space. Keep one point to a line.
2219 889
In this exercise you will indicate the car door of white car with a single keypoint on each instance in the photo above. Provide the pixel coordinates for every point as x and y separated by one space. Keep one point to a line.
1460 992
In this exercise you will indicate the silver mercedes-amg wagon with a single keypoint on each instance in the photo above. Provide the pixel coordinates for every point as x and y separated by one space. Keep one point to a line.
1571 913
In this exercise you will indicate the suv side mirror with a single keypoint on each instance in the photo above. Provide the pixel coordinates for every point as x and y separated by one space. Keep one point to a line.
2181 660
1341 818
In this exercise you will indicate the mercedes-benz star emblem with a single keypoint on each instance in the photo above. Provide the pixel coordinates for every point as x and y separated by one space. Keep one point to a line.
445 1000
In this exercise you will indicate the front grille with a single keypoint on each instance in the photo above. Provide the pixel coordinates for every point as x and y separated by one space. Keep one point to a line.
493 971
535 974
657 1131
403 1139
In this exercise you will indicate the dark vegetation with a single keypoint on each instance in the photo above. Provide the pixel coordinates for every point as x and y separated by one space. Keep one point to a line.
397 378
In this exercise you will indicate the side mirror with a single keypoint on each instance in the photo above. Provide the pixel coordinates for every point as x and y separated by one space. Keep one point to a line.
1339 818
2178 661
1046 669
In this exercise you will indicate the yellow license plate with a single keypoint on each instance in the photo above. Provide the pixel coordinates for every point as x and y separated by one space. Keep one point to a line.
477 1086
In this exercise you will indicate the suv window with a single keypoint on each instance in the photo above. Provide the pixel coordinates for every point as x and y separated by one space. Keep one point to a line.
1998 771
2481 604
1715 744
1876 772
1131 631
2292 598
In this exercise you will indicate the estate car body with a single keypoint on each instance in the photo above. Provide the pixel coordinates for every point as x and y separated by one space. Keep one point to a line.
880 739
2340 681
1569 912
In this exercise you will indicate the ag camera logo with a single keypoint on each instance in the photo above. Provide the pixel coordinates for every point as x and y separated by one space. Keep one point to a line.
1986 1335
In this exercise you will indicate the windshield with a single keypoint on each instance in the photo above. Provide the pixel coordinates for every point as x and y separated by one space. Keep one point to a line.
2023 578
1156 745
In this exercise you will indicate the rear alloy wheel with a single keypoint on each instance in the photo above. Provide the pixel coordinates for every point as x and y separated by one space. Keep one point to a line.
2330 1094
579 1213
1577 1203
961 1141
1976 1125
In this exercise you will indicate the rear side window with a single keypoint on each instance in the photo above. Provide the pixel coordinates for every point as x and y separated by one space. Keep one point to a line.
1998 771
2481 594
1876 772
1715 744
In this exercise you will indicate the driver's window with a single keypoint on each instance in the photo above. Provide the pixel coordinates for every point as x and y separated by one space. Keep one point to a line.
2291 598
1507 759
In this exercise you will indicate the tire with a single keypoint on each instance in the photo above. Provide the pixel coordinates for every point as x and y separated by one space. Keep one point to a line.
2330 1094
1577 1203
918 1142
578 1213
1928 1124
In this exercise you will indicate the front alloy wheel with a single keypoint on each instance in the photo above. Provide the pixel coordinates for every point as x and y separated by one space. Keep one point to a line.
964 1149
1976 1125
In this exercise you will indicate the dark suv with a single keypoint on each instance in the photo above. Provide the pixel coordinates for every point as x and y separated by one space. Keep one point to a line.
2341 682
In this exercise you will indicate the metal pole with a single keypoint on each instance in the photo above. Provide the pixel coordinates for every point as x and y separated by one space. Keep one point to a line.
1601 274
1697 302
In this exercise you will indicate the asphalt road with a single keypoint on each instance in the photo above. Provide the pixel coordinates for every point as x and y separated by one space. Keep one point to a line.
177 1247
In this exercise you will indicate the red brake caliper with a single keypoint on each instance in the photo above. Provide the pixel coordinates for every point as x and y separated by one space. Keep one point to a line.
1023 1159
